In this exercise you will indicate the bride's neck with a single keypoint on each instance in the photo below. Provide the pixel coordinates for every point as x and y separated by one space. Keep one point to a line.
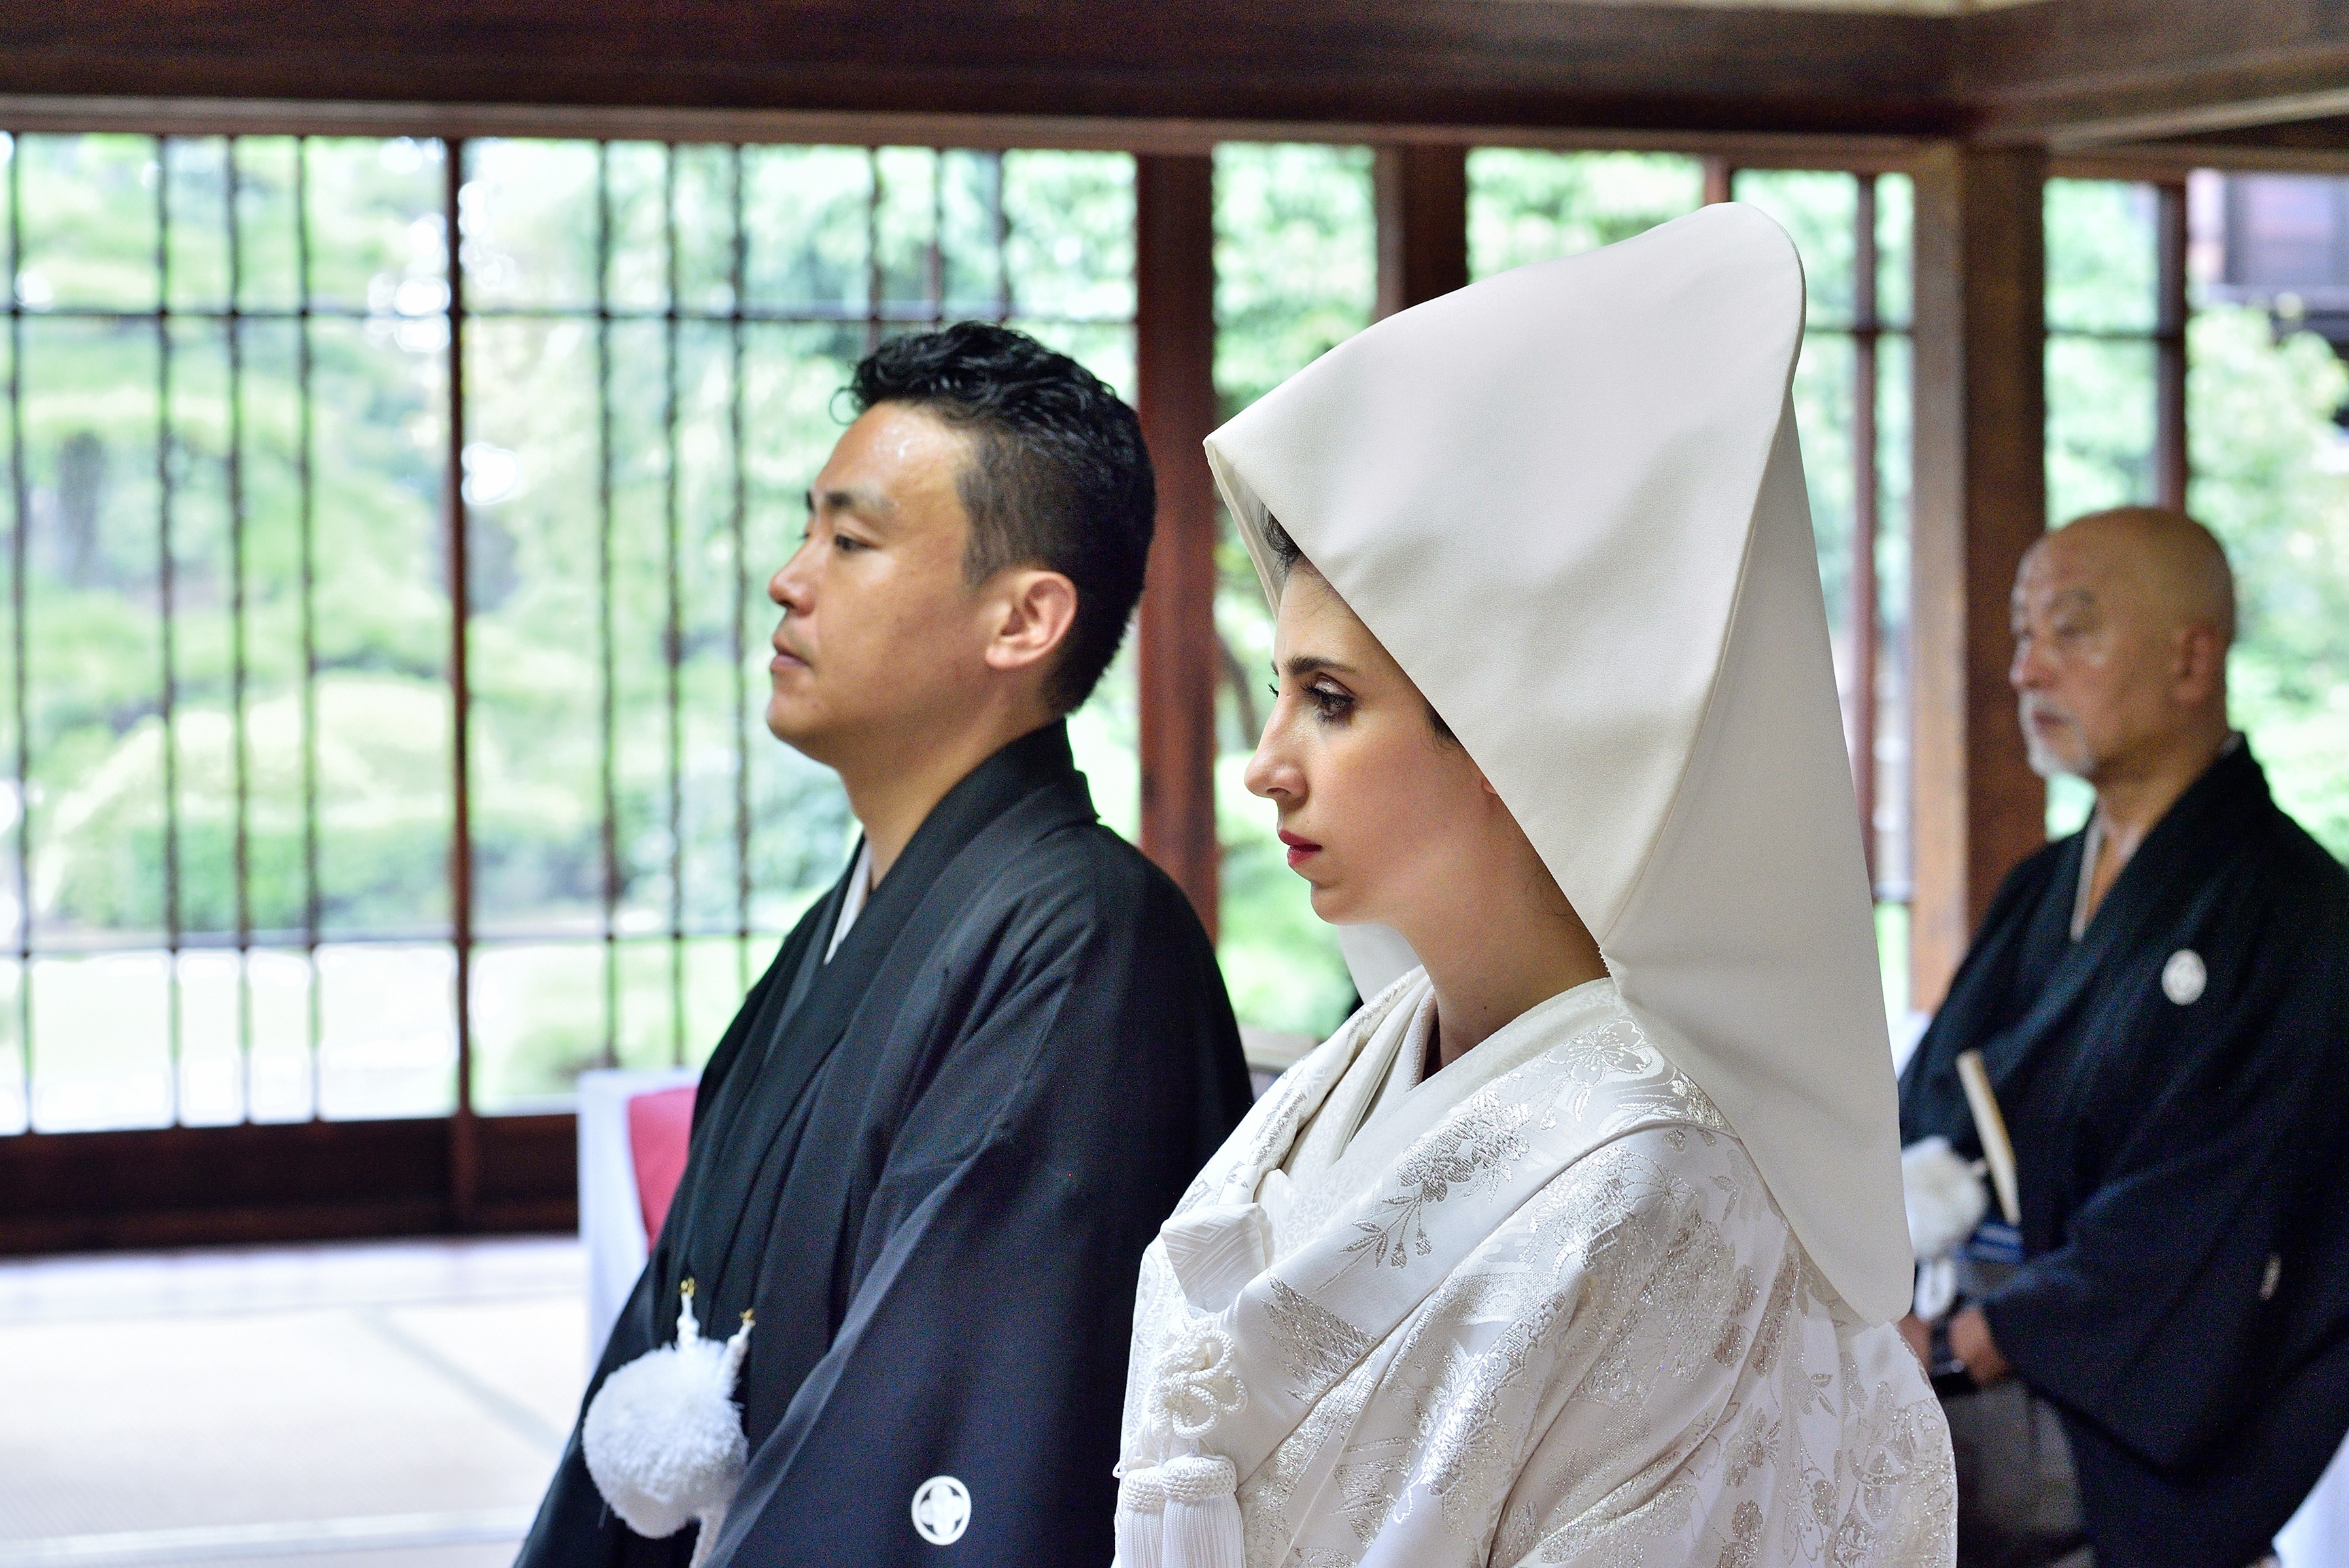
1494 959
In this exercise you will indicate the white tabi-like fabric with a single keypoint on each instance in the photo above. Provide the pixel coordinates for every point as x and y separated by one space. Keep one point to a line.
1540 1308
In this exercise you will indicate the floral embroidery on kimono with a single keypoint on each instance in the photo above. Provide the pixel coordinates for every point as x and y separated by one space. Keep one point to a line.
1545 1312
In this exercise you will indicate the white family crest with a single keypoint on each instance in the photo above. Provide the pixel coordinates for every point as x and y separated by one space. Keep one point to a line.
2183 977
941 1510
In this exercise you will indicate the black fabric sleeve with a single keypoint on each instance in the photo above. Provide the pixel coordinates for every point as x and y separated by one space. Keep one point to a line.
2150 1319
1932 1099
573 1527
1090 1073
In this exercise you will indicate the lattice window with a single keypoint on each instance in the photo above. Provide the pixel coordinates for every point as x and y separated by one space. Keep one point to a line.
315 799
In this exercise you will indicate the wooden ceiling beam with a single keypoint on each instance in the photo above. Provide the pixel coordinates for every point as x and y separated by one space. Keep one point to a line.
1499 63
2069 76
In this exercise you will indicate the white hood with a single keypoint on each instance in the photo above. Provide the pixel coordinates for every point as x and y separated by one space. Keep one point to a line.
1569 502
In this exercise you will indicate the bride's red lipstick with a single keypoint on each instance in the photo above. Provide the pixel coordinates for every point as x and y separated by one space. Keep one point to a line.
1299 850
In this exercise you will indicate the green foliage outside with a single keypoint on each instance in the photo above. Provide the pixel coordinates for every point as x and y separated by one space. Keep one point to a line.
551 524
1295 273
2270 478
1044 238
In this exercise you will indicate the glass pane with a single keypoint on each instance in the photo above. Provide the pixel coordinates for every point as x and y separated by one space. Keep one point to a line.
800 827
267 261
382 616
1070 246
1822 394
906 263
639 266
2100 412
651 1032
375 242
15 895
539 1019
94 661
537 660
1818 207
705 229
198 216
1893 722
15 1071
387 1030
1106 351
2100 257
803 213
280 993
1297 249
716 642
530 217
974 235
2270 480
102 1042
276 734
1896 209
205 720
1297 273
210 1001
87 211
1105 733
640 605
717 973
1526 205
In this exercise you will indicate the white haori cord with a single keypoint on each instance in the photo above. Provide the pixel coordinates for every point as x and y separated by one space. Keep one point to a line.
1141 1519
1185 1513
662 1437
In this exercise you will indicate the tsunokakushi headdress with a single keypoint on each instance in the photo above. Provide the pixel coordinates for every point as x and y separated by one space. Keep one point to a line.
1569 500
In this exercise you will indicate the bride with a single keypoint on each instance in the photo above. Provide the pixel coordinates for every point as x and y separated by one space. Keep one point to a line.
1580 1242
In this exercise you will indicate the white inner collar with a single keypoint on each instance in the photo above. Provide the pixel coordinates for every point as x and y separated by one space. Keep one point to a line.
860 887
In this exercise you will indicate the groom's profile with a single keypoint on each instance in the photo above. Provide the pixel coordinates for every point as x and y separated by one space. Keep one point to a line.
931 1148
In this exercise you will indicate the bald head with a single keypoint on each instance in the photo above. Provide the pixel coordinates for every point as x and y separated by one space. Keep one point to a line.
2122 621
2158 563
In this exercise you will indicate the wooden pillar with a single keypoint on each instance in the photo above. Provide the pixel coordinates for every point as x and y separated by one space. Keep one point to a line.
1720 180
2171 467
1980 501
1174 354
1422 196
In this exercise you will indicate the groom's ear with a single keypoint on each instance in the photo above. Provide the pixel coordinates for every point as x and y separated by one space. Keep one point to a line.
1031 612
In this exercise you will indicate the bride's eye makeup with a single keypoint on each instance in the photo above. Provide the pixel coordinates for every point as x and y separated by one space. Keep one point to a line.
1334 703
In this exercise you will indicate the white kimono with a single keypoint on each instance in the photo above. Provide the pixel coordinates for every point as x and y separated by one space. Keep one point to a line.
1538 1309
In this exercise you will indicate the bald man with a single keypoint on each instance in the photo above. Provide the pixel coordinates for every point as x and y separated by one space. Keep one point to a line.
2153 1368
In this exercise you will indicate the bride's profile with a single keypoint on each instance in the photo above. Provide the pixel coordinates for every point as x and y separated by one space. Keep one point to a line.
1581 1241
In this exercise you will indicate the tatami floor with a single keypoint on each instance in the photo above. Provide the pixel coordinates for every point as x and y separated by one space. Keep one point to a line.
391 1405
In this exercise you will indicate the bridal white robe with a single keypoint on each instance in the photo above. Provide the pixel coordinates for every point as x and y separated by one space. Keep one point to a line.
1538 1309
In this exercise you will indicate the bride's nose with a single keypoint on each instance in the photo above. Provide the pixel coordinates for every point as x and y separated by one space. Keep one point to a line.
1272 772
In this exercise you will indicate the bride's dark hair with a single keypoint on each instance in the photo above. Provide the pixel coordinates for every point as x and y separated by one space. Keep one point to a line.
1285 553
1287 558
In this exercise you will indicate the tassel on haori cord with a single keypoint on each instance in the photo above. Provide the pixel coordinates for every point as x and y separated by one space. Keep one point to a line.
664 1437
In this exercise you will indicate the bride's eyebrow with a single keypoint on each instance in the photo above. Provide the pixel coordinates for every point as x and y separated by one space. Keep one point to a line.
1314 664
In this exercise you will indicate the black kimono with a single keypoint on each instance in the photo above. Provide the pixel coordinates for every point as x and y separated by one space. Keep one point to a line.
2183 1300
932 1165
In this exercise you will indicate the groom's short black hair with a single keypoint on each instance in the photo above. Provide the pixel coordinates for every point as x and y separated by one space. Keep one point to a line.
1059 477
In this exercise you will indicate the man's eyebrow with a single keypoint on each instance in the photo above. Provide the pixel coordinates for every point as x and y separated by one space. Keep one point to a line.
2062 599
848 498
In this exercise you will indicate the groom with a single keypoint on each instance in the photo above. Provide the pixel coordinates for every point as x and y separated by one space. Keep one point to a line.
934 1144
